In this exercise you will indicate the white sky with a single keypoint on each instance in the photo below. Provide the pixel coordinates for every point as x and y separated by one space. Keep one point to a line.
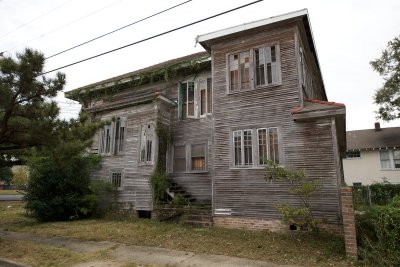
348 35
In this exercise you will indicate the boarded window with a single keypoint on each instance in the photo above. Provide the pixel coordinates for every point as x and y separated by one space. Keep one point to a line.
146 144
180 158
198 155
116 179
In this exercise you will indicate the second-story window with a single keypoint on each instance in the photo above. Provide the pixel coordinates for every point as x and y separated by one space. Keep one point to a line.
253 68
112 138
195 98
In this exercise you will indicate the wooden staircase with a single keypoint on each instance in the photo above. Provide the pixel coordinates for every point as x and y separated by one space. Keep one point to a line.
198 213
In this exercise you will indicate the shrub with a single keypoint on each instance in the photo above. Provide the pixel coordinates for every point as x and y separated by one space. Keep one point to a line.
20 177
58 187
378 232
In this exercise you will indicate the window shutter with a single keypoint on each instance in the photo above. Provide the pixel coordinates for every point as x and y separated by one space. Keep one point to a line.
181 91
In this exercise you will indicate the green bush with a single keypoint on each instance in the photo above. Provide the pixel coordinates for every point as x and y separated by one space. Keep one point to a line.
58 187
378 234
383 193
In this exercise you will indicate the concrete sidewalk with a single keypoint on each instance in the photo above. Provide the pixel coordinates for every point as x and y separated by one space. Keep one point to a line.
137 254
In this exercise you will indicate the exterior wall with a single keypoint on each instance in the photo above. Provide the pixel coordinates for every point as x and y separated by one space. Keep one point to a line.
367 169
309 145
135 192
192 131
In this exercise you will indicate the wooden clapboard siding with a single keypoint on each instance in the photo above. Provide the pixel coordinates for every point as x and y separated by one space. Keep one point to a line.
191 131
306 145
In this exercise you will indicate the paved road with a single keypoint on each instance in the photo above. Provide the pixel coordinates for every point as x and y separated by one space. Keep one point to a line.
11 197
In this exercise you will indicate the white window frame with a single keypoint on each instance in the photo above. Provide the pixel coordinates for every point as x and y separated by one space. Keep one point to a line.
115 148
188 158
255 147
147 130
252 68
197 98
391 159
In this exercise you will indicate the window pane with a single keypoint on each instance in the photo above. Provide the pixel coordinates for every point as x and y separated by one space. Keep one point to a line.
260 71
269 73
245 70
247 146
262 146
237 140
148 150
234 72
209 96
190 99
385 159
396 158
108 140
116 179
273 145
198 157
273 54
203 102
121 138
179 158
116 138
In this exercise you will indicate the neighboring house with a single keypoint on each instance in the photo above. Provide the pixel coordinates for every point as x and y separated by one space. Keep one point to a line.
256 93
373 155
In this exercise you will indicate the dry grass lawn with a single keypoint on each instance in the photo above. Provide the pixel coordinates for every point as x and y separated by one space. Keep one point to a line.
296 249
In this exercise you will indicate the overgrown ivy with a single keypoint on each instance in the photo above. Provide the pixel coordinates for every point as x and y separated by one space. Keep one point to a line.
165 73
159 179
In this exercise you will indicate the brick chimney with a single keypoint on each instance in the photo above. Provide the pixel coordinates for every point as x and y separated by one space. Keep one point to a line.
377 127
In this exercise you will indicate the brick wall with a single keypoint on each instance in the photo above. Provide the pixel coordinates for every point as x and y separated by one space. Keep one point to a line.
250 224
349 226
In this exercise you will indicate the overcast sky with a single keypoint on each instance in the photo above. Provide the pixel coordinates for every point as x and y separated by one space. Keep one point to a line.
348 34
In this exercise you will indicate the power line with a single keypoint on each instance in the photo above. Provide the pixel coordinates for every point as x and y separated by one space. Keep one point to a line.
34 19
65 25
101 36
152 37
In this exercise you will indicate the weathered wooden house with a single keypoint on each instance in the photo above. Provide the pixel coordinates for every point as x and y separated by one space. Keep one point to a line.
256 93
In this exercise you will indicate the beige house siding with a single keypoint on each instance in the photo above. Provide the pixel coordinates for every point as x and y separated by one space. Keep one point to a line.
367 170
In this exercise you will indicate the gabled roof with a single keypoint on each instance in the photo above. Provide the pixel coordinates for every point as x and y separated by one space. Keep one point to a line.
371 138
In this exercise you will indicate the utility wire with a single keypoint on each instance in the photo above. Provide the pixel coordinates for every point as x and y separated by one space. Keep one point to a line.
34 19
63 26
152 37
101 36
